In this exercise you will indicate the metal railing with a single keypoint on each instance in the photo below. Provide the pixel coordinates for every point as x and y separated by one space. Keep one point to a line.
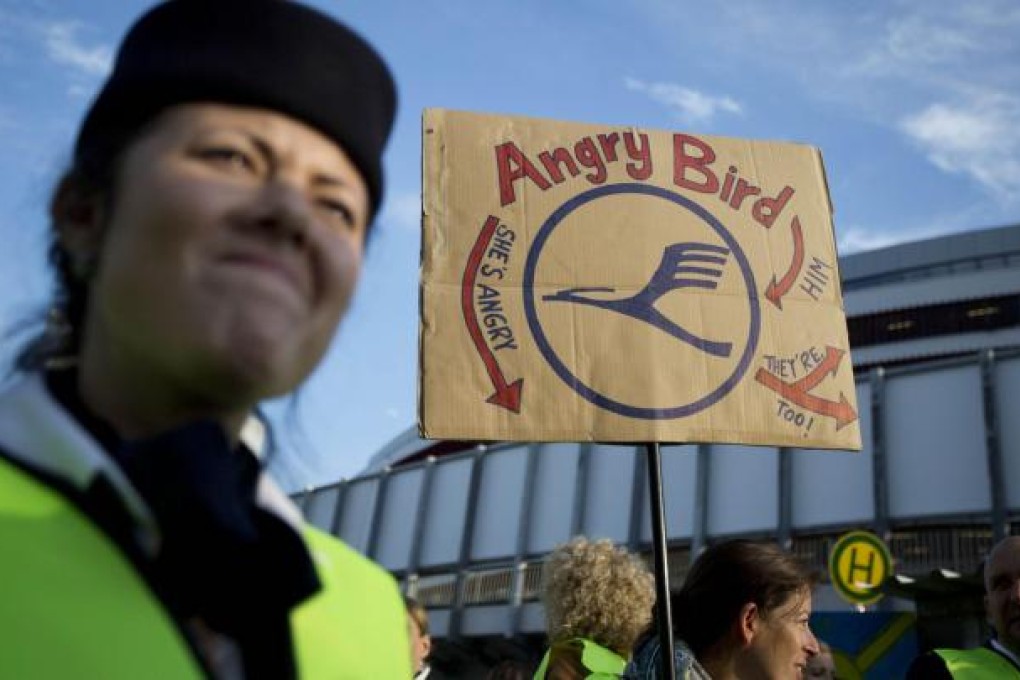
433 591
506 583
491 586
959 548
531 584
916 550
814 551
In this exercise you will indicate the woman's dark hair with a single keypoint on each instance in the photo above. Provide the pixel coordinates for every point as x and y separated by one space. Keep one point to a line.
92 175
725 578
511 669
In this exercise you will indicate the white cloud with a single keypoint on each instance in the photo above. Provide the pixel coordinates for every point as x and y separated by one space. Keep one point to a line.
944 75
979 138
690 106
881 59
916 42
937 49
63 47
403 211
856 239
917 39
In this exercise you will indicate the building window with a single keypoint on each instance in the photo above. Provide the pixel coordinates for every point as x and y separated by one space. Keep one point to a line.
923 322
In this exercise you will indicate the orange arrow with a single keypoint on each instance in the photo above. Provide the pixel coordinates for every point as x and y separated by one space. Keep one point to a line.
776 291
830 364
841 410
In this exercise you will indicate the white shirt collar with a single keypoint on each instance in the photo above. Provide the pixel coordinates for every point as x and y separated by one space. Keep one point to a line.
1001 649
36 430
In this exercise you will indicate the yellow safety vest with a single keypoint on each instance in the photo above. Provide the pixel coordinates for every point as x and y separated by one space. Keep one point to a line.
601 663
979 663
72 605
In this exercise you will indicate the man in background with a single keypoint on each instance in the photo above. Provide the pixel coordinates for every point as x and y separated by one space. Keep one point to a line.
1000 656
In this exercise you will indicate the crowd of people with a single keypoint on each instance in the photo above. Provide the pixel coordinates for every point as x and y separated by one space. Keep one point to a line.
742 613
205 242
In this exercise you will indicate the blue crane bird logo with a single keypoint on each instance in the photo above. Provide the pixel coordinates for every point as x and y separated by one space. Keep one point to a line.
674 271
684 266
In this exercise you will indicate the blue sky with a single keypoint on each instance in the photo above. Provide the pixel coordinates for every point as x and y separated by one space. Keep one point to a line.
915 105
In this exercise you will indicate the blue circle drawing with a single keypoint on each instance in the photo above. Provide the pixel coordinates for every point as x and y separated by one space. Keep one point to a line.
564 372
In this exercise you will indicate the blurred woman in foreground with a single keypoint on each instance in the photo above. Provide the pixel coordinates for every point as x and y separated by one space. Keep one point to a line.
206 239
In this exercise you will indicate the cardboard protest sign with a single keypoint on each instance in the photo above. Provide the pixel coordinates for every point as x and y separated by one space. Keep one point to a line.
593 283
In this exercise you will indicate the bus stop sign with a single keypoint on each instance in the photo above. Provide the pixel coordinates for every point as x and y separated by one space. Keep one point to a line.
859 564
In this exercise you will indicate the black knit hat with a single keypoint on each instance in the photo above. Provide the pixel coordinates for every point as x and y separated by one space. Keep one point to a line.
273 54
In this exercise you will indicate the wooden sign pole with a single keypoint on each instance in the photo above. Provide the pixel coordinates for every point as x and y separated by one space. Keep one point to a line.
662 607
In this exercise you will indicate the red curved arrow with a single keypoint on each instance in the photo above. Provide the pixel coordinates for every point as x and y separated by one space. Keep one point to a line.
506 395
841 410
776 291
830 364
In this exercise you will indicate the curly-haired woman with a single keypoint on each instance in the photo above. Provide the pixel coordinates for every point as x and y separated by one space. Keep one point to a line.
598 599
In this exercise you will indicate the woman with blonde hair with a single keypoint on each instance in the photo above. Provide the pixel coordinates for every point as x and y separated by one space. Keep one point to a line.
598 599
418 634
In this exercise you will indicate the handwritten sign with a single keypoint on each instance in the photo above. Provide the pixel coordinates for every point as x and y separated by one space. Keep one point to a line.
587 283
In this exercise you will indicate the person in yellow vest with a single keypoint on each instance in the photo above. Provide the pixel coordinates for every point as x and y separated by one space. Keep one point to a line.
999 658
598 599
206 240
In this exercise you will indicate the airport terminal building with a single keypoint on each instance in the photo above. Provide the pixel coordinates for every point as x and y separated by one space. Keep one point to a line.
934 331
